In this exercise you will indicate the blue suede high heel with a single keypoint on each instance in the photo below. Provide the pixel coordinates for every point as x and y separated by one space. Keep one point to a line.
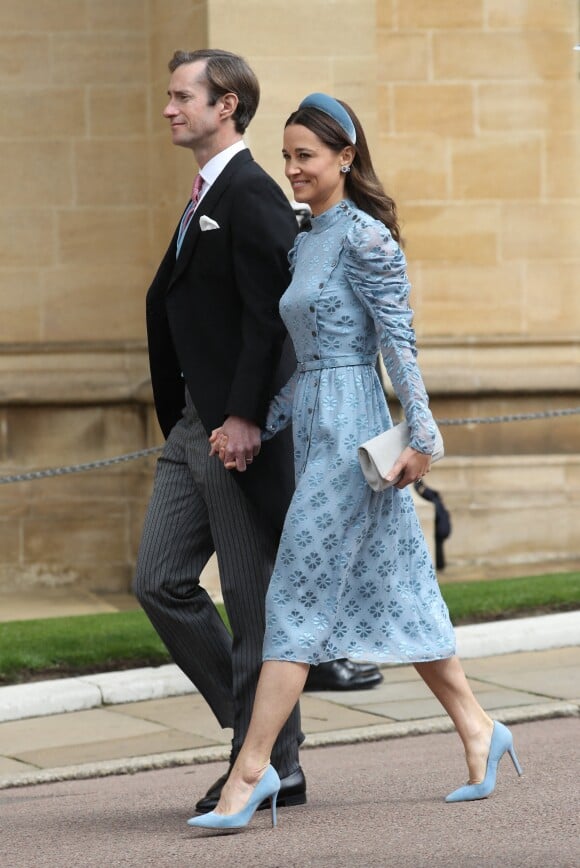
266 788
501 742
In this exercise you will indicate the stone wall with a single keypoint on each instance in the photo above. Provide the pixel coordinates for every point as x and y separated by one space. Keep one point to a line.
91 186
472 112
480 143
73 170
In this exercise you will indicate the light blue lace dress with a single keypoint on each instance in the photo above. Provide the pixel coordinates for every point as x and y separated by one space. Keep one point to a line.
353 576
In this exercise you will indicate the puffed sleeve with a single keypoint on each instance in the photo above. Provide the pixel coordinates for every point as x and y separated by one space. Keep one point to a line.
375 267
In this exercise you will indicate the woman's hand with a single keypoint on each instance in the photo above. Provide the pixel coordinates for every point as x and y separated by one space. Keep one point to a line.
215 440
409 467
218 442
236 443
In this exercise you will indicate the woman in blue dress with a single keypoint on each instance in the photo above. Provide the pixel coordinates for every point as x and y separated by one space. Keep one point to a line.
353 576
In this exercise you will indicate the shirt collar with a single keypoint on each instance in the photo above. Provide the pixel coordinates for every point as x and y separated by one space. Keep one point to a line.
214 167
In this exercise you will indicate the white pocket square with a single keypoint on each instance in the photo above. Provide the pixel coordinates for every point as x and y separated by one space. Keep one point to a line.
206 223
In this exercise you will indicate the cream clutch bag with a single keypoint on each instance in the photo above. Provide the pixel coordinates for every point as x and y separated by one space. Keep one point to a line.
378 455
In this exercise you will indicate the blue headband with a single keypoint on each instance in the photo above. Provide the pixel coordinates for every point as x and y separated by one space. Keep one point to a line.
333 109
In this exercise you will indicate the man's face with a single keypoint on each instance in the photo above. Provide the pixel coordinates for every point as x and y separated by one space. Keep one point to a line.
193 121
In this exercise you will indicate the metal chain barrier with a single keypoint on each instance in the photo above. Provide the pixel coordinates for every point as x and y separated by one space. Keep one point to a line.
143 453
78 468
513 417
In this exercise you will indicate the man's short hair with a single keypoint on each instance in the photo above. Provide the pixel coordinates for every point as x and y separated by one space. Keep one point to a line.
226 73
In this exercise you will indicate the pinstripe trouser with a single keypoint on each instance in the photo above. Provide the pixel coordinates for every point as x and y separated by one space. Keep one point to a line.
197 508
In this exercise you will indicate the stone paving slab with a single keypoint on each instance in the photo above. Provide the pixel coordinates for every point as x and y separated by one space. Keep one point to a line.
430 707
536 661
187 713
554 674
500 698
321 715
80 727
60 603
177 730
116 748
555 683
384 730
413 688
12 767
395 673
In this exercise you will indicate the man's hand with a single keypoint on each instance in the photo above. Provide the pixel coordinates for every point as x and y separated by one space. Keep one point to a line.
409 467
237 443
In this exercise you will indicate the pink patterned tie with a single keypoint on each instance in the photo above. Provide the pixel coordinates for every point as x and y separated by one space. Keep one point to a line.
196 189
189 211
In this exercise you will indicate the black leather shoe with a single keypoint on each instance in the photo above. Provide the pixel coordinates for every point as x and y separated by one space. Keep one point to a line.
292 792
343 675
364 668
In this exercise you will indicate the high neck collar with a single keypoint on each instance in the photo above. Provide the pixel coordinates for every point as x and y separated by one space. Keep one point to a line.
329 218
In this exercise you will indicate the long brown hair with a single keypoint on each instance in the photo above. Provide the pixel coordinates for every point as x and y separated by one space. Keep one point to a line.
362 185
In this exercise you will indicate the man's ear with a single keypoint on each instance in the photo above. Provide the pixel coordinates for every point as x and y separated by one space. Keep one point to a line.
229 105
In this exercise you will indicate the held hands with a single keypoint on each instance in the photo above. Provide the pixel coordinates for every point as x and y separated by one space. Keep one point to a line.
409 467
236 443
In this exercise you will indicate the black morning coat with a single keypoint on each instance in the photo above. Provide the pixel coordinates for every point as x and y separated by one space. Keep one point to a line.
213 321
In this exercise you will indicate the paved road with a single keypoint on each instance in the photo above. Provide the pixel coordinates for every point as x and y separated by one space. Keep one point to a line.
376 805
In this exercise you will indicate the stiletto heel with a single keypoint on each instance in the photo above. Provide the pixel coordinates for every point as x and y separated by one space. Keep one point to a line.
273 809
266 788
501 742
514 759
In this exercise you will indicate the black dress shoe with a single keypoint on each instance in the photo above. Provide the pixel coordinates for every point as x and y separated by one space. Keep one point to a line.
364 668
292 792
343 675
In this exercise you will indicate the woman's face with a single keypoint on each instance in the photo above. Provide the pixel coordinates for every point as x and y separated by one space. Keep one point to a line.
313 169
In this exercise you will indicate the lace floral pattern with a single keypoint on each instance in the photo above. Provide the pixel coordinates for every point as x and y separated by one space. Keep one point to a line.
353 577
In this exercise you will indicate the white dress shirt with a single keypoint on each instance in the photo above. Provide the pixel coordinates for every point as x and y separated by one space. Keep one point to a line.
214 167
